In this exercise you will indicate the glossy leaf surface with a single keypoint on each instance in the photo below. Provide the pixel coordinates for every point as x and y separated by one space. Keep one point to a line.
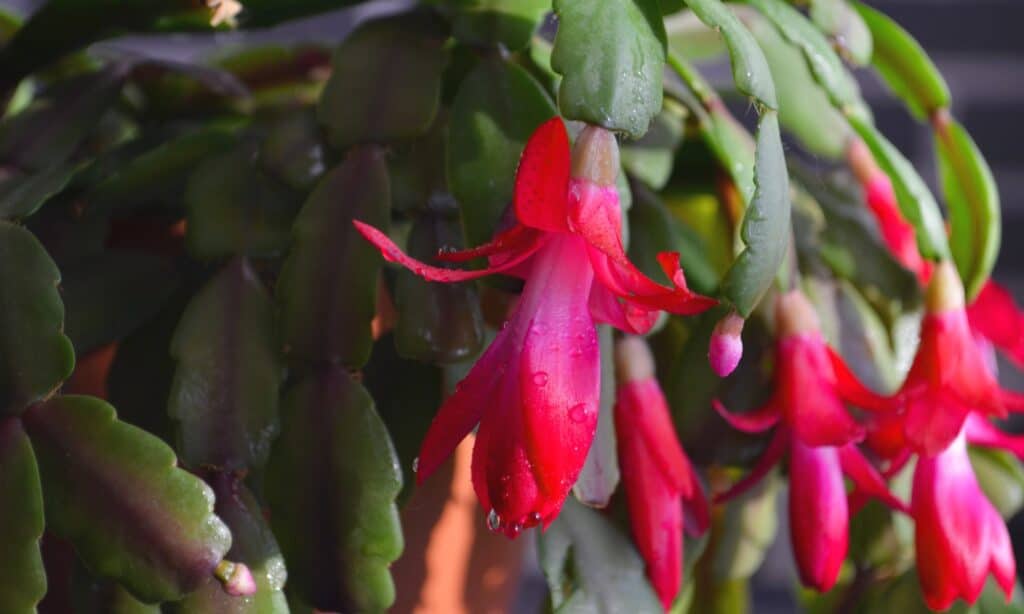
35 356
328 284
497 108
437 322
904 65
332 480
386 81
22 577
972 198
252 544
766 223
236 208
611 56
116 493
591 566
226 386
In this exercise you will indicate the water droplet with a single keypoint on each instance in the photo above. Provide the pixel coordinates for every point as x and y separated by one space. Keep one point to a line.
578 413
416 465
493 520
540 378
514 529
533 518
504 325
576 352
539 329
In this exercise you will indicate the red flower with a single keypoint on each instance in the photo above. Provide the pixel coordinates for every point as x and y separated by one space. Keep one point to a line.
813 385
897 232
949 377
660 483
959 536
539 379
996 316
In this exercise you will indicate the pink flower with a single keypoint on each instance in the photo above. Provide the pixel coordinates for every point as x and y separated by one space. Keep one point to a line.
995 315
949 377
897 232
959 536
660 483
813 386
534 391
726 347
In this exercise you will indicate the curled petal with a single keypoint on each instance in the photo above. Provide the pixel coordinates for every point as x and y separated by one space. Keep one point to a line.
514 239
392 253
606 308
983 433
996 315
776 448
462 411
866 479
542 181
756 421
855 392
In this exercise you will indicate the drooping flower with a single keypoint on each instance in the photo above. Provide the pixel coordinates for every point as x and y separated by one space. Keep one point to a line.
997 317
809 413
662 490
949 377
534 391
959 536
897 232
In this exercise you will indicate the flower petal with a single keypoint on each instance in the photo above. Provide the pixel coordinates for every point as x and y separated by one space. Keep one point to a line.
776 448
855 392
996 315
866 479
605 307
816 490
983 433
392 253
645 410
463 409
542 181
755 421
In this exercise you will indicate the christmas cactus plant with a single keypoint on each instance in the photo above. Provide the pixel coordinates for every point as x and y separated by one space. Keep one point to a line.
254 298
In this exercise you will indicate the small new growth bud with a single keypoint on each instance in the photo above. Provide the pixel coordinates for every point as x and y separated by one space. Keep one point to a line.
946 291
236 578
726 347
633 360
596 156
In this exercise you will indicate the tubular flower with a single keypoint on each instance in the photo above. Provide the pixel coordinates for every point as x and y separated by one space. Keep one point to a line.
539 379
813 384
997 318
897 232
949 377
959 536
661 486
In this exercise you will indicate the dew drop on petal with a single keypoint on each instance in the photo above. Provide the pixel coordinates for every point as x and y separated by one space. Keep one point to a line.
533 518
513 529
416 465
540 378
493 520
578 413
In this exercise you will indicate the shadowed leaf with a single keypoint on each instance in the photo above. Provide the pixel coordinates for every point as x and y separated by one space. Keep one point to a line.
22 577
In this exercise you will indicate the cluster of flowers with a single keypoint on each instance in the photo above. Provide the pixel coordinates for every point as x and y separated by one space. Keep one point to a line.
539 382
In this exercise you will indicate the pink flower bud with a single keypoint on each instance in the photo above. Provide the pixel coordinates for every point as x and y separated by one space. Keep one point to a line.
236 578
726 347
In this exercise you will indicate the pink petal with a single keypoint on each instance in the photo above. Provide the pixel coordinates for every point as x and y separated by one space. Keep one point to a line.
392 253
770 458
542 181
983 433
755 421
865 477
605 307
856 393
807 394
645 410
462 411
816 491
996 315
559 365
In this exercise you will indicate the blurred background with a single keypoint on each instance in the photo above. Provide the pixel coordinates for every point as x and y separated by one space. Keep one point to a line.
977 45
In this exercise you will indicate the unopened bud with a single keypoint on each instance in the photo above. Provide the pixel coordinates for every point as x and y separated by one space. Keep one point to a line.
596 156
633 360
794 314
236 578
946 291
726 347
